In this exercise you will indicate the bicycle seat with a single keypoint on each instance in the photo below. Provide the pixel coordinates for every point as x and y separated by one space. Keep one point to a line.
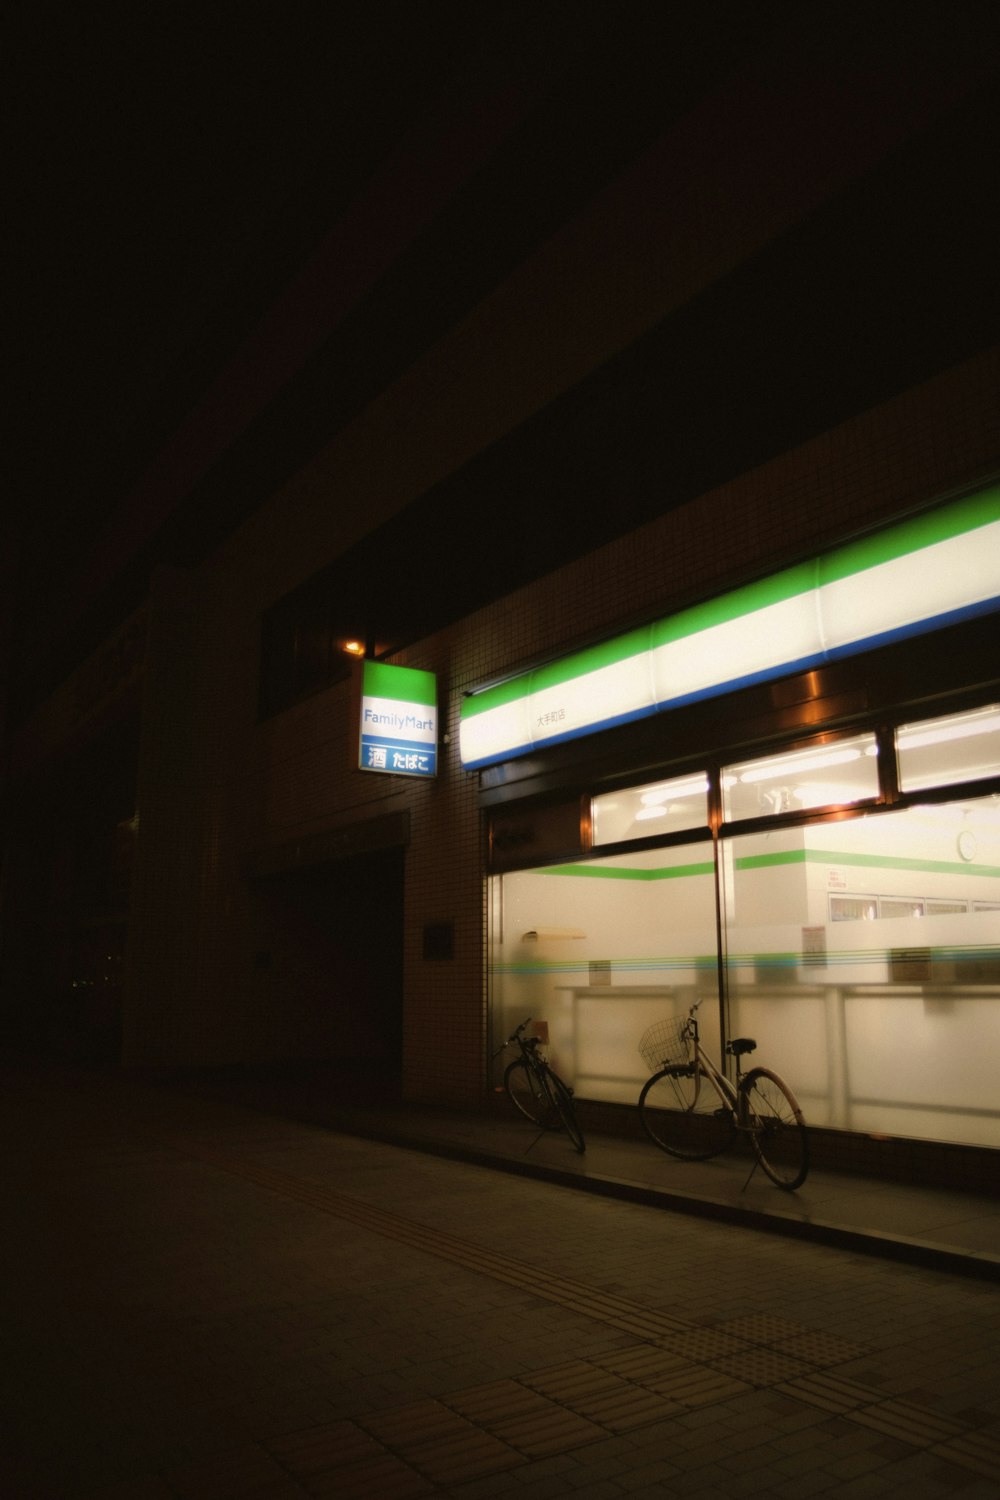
740 1044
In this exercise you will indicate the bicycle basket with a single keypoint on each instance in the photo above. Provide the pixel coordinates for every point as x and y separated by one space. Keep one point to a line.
664 1043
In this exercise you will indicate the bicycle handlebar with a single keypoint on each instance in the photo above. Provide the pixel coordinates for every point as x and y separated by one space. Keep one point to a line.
512 1038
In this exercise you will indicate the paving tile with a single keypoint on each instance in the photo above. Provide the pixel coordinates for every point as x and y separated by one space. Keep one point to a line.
524 1419
440 1443
275 1329
383 1478
908 1423
234 1475
978 1451
335 1445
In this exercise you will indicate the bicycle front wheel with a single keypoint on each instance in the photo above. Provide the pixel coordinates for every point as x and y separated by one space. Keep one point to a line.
682 1113
562 1102
777 1129
527 1092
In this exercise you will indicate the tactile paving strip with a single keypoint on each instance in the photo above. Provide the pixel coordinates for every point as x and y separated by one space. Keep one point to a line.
485 1431
601 1396
606 1307
808 1344
440 1443
978 1451
524 1418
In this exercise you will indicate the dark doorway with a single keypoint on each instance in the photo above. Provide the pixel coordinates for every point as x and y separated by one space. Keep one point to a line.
336 956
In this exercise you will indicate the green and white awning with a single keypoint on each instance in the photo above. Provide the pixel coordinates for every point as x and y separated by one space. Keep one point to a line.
920 575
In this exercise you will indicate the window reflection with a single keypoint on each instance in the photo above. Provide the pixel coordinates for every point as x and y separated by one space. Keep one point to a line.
828 775
863 954
941 752
659 807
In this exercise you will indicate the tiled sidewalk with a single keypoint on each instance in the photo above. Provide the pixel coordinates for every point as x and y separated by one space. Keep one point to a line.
947 1230
203 1300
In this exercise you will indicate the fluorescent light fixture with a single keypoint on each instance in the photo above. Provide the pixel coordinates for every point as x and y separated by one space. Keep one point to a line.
824 794
794 765
943 731
673 805
675 791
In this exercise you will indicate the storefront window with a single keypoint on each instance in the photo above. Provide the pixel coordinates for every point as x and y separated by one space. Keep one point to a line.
600 950
942 752
862 952
659 807
833 774
864 957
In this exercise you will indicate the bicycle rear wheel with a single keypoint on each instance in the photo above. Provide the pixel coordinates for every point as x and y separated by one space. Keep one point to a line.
562 1101
682 1113
527 1093
777 1129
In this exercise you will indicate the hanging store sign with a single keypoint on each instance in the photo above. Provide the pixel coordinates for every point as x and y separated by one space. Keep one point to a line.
398 720
921 575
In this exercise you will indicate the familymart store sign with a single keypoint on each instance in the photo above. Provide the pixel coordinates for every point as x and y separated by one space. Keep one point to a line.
398 720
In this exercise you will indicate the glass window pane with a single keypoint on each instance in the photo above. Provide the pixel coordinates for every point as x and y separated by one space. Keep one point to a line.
828 775
896 906
878 1002
639 812
601 950
941 752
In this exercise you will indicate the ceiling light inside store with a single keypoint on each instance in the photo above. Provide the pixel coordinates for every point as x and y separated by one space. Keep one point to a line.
797 765
672 791
946 730
824 794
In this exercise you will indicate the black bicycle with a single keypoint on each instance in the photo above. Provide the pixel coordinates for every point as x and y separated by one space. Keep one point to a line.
536 1090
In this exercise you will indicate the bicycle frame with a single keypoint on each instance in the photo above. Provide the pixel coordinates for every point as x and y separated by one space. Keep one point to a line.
676 1111
535 1088
703 1065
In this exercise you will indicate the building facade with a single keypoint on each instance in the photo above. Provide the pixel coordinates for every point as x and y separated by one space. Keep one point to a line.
710 370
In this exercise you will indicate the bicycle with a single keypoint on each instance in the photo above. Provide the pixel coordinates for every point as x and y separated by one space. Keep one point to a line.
536 1090
691 1110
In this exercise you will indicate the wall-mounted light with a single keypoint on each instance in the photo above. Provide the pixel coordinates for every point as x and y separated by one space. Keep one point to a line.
353 648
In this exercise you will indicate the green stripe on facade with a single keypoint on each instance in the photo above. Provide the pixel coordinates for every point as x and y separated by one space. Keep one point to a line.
617 872
496 697
618 966
776 959
912 536
607 654
777 589
597 871
927 530
869 861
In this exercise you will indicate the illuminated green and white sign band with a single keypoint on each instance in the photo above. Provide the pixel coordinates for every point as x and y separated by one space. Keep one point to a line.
920 575
398 720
